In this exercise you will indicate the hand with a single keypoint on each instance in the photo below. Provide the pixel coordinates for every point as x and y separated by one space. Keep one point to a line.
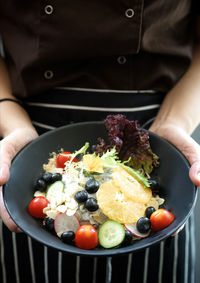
190 149
9 147
182 141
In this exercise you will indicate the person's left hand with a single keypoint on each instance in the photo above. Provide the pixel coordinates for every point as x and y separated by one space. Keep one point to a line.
190 149
183 142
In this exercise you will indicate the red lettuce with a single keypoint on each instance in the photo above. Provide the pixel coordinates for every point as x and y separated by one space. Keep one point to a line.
130 141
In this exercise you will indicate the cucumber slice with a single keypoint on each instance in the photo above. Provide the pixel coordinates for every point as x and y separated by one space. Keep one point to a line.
54 190
111 234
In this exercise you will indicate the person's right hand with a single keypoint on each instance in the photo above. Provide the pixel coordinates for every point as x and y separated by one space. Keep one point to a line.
9 147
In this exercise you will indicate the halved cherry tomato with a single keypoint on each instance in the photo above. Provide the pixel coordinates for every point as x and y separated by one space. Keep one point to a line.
161 218
64 157
86 237
37 205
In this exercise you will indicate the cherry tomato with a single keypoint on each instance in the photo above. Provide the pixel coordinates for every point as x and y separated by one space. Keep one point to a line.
86 237
161 218
37 205
63 157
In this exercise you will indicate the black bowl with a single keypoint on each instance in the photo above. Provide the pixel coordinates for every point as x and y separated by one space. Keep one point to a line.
176 187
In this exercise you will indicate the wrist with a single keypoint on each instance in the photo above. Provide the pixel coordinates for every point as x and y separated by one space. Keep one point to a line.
18 118
164 129
9 99
164 123
31 132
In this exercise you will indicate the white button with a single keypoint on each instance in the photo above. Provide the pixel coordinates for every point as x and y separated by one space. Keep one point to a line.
48 74
121 60
48 9
129 13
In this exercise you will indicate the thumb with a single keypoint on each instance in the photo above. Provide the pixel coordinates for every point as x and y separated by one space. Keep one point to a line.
194 173
7 153
10 146
191 150
193 156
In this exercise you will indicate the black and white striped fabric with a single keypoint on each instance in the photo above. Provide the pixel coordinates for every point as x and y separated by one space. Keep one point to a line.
64 105
23 260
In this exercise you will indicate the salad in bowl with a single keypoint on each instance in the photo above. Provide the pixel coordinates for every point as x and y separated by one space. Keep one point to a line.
102 196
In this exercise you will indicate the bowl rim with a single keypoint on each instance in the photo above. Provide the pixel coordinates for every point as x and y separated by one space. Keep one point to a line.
95 252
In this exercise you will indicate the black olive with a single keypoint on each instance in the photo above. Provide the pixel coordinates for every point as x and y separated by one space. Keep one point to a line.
49 224
155 186
81 196
68 237
47 177
143 225
56 177
93 148
149 210
41 185
91 204
96 226
92 186
128 238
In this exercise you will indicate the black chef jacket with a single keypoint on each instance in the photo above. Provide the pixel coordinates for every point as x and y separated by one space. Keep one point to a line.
106 44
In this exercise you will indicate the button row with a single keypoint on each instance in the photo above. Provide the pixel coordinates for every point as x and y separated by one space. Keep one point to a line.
129 13
48 74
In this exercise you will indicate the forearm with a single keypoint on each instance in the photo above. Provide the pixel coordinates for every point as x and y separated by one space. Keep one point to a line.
12 115
181 106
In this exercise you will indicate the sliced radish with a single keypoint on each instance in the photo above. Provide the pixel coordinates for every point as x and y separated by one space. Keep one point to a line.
133 229
63 223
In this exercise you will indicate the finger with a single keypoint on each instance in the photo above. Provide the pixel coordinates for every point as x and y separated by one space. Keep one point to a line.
4 173
191 150
6 217
194 173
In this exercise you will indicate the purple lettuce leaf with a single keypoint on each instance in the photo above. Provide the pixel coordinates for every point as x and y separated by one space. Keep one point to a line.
130 141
